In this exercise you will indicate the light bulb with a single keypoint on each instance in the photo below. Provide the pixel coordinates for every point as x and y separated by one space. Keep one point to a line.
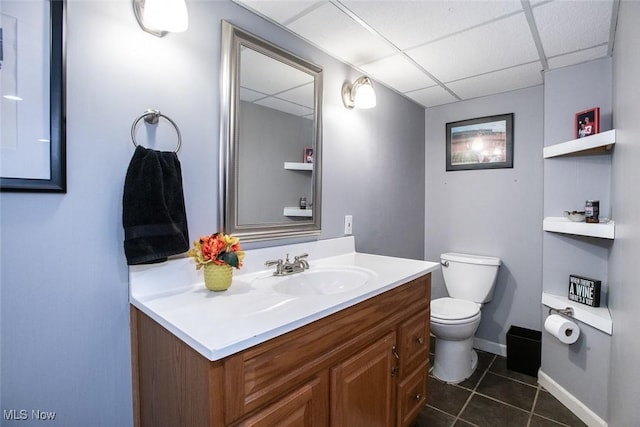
365 96
166 15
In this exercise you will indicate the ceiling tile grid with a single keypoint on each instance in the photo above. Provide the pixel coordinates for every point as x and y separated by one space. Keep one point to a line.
504 43
432 96
578 57
506 80
567 26
398 72
330 29
412 23
441 51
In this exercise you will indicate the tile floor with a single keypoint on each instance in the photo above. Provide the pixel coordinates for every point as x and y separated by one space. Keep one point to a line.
493 397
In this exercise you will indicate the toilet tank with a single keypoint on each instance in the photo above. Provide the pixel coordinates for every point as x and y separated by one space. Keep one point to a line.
470 277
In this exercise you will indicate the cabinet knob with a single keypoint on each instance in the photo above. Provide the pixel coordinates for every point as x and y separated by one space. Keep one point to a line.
418 397
420 340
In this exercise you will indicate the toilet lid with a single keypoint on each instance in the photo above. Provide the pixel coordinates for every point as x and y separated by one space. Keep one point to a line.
452 308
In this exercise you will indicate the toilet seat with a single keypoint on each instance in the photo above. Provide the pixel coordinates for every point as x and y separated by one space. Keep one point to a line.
453 310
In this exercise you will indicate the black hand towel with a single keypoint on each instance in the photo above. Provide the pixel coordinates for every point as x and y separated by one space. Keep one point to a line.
153 213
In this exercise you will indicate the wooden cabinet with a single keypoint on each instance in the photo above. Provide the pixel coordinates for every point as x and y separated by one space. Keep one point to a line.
362 387
363 366
304 407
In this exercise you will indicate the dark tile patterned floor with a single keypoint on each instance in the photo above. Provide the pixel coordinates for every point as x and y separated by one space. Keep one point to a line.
493 397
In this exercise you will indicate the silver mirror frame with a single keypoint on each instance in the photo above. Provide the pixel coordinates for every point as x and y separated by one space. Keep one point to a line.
232 39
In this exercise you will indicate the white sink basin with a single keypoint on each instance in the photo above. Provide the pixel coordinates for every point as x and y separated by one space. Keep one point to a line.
324 281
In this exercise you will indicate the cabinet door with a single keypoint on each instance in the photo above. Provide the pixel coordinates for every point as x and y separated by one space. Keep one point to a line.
413 341
304 407
363 387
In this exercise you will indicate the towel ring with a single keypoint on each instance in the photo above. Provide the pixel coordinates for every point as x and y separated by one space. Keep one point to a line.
152 117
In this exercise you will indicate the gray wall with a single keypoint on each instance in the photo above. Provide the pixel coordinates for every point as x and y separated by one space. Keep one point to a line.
568 183
268 139
64 295
491 212
624 295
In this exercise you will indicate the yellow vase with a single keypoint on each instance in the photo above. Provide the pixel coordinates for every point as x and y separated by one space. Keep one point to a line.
217 277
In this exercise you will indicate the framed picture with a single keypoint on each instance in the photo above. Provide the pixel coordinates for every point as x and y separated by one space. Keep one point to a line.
32 114
308 155
587 122
482 143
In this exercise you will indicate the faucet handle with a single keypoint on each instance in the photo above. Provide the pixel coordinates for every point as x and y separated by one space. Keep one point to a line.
279 266
301 256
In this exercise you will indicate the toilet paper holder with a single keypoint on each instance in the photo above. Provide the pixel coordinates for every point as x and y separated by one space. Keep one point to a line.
566 311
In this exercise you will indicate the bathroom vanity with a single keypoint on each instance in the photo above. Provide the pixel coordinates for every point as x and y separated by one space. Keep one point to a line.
262 354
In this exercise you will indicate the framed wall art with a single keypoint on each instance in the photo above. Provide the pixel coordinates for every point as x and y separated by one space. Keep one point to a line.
308 155
32 109
480 143
587 122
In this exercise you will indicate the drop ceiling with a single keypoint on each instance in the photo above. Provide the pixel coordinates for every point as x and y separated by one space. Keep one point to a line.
440 51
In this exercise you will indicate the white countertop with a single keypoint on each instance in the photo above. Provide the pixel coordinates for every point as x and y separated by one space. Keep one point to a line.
219 324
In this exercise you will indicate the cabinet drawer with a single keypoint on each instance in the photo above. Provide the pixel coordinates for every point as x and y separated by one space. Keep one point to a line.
414 342
306 406
412 396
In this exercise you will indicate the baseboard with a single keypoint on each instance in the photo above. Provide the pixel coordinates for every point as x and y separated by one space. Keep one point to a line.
490 346
578 408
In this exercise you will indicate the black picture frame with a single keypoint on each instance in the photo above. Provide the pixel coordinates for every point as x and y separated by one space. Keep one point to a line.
480 143
57 181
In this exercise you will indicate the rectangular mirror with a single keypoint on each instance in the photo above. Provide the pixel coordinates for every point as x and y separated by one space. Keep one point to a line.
270 151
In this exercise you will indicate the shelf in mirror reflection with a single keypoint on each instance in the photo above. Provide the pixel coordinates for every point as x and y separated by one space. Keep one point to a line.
293 211
298 166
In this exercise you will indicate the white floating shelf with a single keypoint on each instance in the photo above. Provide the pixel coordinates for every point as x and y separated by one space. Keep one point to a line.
298 166
565 225
598 317
599 142
293 211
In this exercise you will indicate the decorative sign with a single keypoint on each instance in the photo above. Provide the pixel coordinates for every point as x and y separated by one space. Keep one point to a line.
584 290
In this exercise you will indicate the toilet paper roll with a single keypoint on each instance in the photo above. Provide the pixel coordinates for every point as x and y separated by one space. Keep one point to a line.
562 328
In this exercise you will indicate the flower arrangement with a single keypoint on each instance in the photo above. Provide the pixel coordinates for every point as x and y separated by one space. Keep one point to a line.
218 248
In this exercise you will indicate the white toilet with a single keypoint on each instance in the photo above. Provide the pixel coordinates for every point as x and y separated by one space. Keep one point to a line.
470 280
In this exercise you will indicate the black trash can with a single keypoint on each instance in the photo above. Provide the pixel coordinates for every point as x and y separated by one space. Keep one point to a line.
523 350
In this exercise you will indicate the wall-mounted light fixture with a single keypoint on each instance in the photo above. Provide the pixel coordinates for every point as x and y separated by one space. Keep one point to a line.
160 17
360 94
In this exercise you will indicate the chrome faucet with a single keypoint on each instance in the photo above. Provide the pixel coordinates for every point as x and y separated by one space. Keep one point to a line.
279 265
286 267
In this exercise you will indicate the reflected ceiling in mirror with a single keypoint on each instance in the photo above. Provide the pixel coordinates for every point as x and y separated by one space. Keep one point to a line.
270 143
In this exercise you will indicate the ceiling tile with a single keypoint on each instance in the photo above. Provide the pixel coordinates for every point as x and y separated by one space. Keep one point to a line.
279 11
250 95
567 26
411 23
431 97
500 81
399 73
333 31
287 107
578 57
302 95
267 75
491 47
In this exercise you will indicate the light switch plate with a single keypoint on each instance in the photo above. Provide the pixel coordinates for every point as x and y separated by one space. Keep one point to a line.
348 224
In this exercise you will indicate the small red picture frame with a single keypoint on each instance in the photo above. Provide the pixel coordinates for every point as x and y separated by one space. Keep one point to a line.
587 122
308 155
